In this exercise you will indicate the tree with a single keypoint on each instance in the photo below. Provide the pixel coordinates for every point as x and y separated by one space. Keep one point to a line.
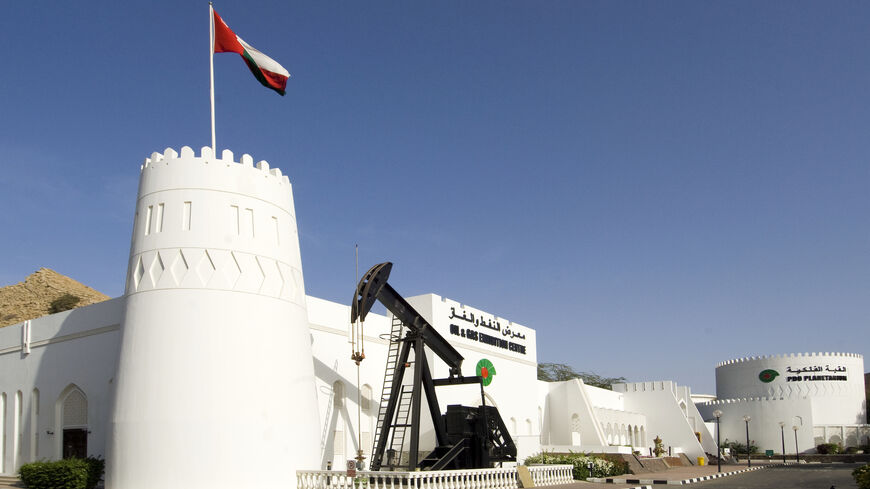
64 303
557 372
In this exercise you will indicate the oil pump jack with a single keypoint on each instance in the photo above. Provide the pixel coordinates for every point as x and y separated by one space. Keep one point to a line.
465 437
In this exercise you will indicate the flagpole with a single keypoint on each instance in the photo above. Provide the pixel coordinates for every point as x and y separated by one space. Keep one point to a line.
211 71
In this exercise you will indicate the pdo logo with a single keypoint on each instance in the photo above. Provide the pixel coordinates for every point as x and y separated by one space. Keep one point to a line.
768 375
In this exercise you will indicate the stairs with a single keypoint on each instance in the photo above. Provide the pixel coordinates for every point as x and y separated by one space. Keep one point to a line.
502 446
10 481
441 457
382 428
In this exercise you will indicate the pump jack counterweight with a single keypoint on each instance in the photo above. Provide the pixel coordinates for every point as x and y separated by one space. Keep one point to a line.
466 437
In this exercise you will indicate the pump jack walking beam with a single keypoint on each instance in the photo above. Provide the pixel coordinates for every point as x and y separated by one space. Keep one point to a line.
374 287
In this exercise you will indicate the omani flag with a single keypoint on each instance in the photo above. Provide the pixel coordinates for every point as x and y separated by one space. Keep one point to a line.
267 70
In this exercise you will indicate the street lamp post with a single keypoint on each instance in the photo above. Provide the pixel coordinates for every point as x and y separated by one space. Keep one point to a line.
718 414
797 453
748 454
782 434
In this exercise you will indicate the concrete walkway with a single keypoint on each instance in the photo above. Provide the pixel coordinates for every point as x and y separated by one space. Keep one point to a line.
670 477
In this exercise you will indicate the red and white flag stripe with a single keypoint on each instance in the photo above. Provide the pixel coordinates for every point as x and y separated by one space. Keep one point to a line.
265 69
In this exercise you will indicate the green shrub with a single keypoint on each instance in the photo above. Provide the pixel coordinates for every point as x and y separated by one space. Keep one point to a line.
620 466
62 474
72 473
63 303
862 476
739 448
96 468
601 466
829 448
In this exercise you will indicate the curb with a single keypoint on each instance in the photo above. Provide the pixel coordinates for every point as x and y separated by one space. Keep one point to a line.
649 482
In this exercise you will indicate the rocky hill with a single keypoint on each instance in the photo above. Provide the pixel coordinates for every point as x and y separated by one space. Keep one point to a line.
33 297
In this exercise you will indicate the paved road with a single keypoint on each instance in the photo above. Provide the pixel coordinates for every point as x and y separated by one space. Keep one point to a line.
810 476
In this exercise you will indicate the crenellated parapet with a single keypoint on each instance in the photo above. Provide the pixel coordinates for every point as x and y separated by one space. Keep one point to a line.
661 385
788 355
722 402
207 156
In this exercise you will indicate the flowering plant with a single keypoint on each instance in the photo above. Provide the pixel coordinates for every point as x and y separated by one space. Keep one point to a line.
600 466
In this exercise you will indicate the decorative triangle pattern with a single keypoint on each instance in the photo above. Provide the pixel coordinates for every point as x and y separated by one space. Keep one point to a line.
271 284
178 268
156 268
196 268
232 269
282 281
205 268
138 274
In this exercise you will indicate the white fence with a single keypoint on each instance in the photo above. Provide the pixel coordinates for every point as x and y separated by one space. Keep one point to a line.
548 475
505 478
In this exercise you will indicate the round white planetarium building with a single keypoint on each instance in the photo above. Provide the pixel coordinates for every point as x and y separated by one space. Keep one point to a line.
794 401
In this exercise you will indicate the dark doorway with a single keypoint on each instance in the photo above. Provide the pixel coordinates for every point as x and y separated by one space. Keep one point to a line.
75 443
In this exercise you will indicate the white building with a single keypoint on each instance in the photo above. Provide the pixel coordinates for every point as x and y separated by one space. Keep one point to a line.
58 372
802 399
215 366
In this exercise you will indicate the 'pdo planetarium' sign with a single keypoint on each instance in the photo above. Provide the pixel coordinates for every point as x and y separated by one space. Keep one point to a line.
807 374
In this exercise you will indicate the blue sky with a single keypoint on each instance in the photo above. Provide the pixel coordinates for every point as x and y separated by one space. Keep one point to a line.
653 186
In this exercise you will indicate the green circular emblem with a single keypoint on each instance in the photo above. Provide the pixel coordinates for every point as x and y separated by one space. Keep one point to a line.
768 375
486 371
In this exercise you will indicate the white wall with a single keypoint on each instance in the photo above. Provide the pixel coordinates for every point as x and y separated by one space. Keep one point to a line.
61 341
764 429
77 347
604 398
514 386
565 401
343 424
666 406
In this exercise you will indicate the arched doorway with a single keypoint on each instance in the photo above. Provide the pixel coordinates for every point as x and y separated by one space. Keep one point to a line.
34 425
18 429
367 408
2 432
338 438
575 430
74 422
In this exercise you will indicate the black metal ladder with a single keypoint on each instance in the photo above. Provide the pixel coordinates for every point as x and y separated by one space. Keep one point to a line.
401 425
382 428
